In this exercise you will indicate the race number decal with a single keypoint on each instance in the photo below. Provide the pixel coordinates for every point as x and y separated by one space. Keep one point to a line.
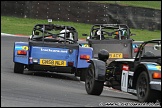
25 47
124 80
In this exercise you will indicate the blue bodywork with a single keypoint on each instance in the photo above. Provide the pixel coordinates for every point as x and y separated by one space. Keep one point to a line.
39 52
24 59
53 48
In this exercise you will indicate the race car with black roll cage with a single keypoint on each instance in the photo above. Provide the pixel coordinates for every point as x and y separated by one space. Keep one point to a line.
139 76
53 48
113 37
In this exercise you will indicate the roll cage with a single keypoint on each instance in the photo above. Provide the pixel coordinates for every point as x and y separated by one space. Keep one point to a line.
44 31
109 30
156 46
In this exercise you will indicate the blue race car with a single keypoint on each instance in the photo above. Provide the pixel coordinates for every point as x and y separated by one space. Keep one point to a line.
53 48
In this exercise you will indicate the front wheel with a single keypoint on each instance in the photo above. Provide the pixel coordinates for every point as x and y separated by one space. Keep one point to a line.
144 92
18 68
93 87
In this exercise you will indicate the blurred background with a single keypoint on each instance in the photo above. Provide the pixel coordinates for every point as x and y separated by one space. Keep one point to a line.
136 14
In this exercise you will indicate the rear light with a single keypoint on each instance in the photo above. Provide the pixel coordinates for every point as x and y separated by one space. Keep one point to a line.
135 50
85 57
125 67
156 75
70 63
21 52
125 55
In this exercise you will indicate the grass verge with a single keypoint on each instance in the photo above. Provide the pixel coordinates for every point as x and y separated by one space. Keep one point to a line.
14 25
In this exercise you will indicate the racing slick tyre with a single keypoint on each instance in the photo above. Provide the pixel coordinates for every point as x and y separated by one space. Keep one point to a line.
18 68
144 92
93 87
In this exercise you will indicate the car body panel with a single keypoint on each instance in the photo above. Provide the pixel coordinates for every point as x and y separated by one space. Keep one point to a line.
118 49
47 49
21 58
84 51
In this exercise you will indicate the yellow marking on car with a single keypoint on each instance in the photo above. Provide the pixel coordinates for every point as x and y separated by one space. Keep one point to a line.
115 55
85 45
25 47
158 67
52 62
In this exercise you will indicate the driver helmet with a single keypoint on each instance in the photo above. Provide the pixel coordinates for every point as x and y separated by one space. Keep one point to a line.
68 34
123 32
98 33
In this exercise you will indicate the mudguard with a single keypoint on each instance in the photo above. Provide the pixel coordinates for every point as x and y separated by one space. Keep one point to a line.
21 58
85 51
100 69
154 83
152 67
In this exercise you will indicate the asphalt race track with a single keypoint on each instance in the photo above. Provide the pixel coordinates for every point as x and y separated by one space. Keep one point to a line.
41 89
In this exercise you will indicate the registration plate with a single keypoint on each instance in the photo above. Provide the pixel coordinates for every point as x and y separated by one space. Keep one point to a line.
115 55
52 62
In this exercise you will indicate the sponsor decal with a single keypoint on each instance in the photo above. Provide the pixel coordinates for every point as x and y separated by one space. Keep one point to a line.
153 67
155 82
18 47
21 48
135 46
54 50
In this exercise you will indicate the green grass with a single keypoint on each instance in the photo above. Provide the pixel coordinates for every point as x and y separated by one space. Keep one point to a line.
14 25
145 4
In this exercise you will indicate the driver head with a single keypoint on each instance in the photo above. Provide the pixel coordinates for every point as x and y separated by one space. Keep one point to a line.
67 33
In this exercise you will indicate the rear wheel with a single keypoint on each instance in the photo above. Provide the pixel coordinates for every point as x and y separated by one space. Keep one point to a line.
93 87
18 68
144 92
